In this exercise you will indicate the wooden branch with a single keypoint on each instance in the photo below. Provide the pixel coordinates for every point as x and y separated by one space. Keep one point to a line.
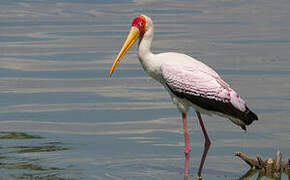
262 164
278 161
270 167
286 166
251 162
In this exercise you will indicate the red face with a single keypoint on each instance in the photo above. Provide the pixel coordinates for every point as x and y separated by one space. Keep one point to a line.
140 23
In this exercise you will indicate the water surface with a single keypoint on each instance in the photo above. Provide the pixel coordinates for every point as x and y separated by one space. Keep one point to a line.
61 117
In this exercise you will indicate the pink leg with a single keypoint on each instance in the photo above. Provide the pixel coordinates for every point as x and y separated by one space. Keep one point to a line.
186 163
206 144
186 136
187 145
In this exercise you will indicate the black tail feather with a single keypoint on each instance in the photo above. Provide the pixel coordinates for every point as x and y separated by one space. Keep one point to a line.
249 117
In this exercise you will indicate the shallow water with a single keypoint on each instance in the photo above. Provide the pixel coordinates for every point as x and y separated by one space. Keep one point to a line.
61 117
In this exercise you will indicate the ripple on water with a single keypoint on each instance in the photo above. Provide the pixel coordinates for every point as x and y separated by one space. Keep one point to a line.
62 117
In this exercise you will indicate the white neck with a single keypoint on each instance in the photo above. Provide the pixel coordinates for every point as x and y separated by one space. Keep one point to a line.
146 57
144 46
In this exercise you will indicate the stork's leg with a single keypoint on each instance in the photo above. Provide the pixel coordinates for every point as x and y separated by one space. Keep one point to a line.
187 144
206 144
186 136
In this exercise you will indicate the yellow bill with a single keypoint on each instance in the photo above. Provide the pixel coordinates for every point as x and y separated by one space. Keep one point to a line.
132 37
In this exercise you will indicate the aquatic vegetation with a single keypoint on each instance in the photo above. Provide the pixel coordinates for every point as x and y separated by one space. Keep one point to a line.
17 135
18 165
41 148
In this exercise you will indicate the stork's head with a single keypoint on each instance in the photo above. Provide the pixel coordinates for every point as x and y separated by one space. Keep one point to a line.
140 25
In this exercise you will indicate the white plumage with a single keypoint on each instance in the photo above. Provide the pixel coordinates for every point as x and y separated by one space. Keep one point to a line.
189 82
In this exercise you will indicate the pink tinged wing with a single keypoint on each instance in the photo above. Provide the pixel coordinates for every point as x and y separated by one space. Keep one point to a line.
197 65
200 81
237 101
234 98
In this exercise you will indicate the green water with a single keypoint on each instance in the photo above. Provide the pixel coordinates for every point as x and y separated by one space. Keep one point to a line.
62 117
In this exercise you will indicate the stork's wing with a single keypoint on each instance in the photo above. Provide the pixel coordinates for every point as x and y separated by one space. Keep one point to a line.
205 90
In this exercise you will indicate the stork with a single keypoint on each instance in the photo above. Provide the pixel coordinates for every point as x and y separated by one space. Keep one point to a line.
190 83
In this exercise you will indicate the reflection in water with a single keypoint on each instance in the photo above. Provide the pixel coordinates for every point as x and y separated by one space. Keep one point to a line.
26 159
249 174
54 58
261 174
186 164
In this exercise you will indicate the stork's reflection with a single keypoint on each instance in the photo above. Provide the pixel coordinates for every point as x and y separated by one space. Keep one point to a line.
186 164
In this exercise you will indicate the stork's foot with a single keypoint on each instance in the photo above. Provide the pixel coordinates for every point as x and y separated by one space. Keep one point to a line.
199 177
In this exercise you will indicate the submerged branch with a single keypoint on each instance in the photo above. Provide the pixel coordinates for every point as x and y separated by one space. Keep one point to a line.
270 167
251 162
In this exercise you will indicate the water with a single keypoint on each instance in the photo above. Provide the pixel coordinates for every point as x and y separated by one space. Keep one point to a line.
61 117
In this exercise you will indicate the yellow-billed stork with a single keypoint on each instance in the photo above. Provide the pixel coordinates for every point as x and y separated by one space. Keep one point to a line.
189 82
